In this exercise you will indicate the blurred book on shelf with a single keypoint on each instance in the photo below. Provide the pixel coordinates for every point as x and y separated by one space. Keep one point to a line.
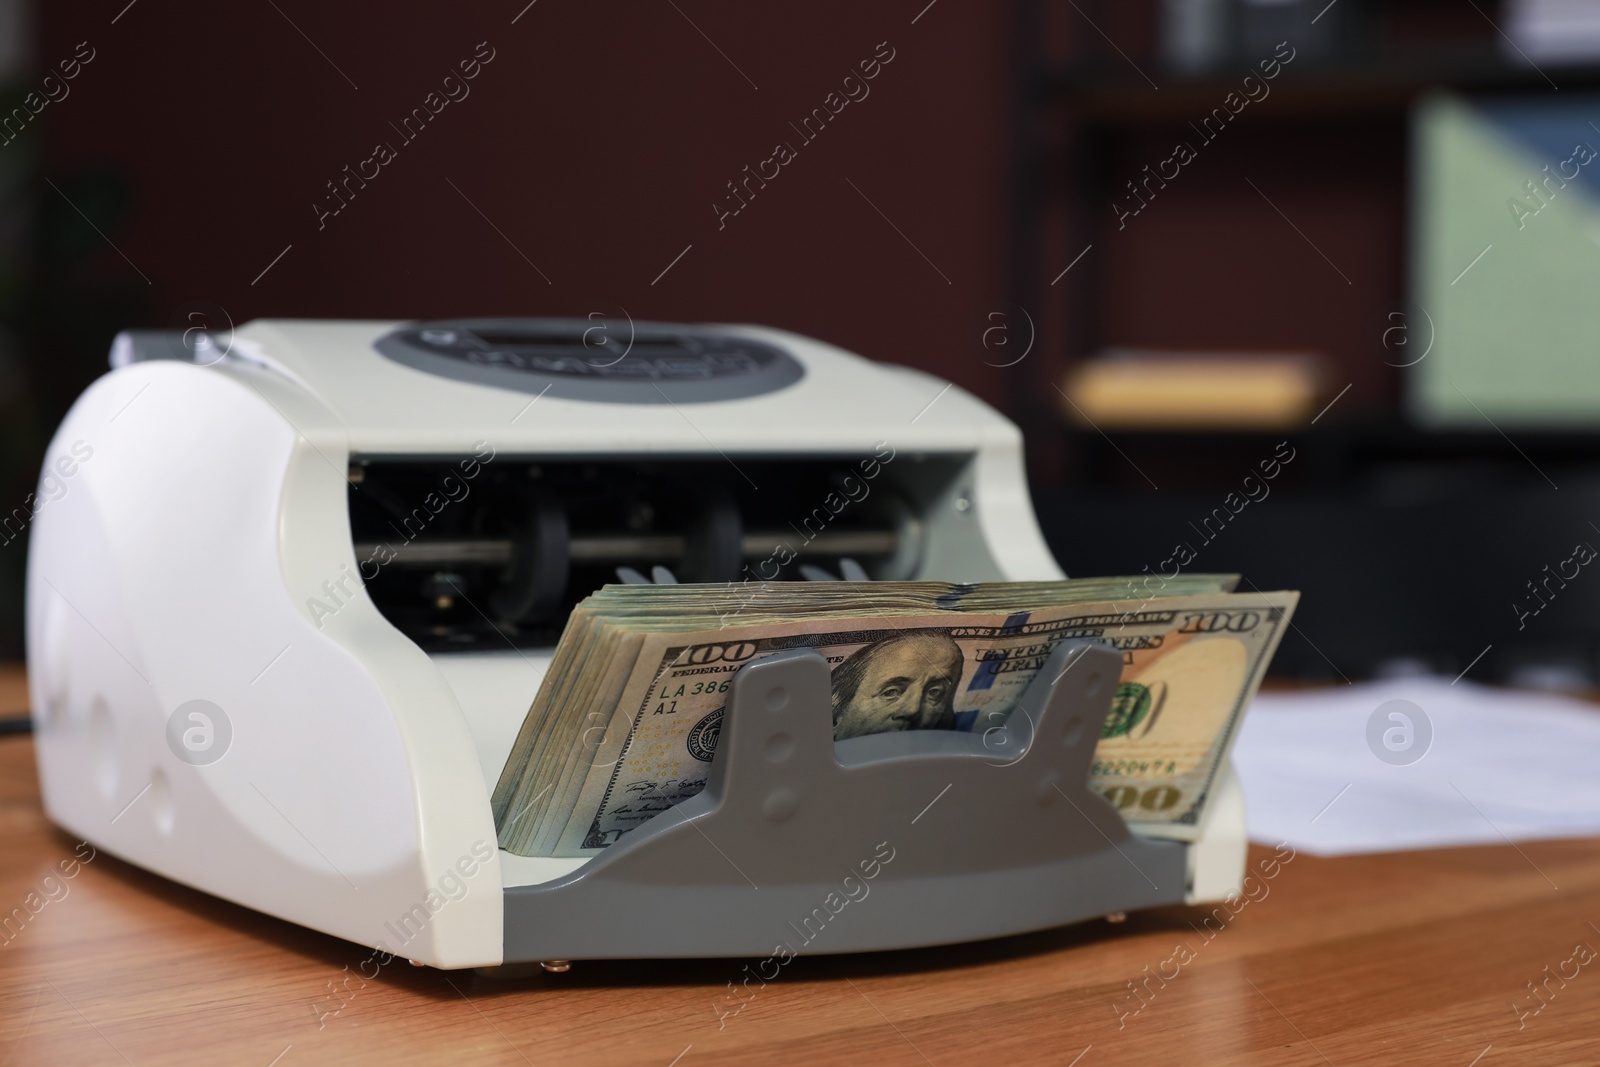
1142 389
1553 31
1197 36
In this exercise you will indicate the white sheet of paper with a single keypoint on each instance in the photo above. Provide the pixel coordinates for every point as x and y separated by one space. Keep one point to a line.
1503 764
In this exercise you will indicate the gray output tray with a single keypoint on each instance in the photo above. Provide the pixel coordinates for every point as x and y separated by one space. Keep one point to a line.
966 835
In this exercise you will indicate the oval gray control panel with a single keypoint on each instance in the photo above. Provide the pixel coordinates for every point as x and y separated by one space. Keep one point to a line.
608 361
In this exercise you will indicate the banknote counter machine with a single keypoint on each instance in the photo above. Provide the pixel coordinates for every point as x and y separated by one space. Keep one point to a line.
293 587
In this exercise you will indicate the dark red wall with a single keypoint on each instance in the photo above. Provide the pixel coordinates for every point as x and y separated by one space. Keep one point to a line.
597 141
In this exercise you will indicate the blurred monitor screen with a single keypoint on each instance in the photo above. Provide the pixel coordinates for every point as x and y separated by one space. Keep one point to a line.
1505 284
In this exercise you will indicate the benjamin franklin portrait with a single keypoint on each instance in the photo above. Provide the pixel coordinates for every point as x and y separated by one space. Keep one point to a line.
904 682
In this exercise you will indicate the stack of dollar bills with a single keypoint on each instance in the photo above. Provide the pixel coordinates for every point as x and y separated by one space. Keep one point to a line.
626 722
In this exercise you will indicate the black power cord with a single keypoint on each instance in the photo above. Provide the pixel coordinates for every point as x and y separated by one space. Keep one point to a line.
16 724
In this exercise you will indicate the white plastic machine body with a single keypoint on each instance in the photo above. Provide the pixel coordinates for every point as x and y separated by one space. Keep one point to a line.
196 543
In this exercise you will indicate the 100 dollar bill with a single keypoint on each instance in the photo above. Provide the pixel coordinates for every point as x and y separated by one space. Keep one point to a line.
1190 666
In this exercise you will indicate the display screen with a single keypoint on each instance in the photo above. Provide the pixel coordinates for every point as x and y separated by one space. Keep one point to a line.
583 359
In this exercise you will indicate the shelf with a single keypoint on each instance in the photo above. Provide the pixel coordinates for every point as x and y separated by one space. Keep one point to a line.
1109 92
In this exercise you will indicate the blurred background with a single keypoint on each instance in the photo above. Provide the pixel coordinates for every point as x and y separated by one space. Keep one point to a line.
1307 288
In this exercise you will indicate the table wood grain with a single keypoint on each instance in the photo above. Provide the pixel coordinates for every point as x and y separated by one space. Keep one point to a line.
13 689
1410 958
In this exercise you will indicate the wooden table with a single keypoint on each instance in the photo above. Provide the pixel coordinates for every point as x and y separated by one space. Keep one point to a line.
1397 959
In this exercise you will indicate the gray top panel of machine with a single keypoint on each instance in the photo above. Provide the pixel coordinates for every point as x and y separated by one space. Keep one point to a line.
609 361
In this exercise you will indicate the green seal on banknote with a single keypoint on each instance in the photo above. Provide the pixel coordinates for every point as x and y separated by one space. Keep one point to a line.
1129 707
